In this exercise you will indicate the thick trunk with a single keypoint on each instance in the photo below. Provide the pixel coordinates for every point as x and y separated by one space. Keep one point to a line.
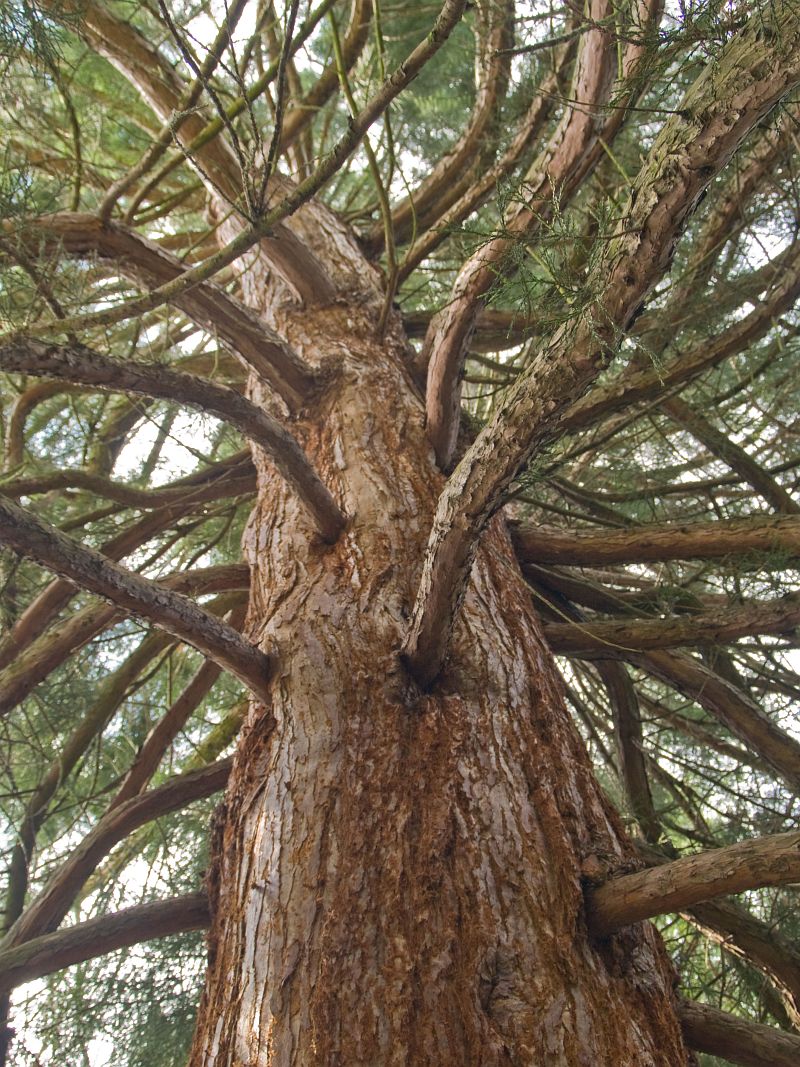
398 878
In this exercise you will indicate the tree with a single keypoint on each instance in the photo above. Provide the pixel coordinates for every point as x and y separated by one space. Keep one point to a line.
474 393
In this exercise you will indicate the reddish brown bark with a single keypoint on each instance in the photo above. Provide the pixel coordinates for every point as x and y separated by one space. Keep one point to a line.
398 879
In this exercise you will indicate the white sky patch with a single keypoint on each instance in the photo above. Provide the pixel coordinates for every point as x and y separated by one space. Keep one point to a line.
191 434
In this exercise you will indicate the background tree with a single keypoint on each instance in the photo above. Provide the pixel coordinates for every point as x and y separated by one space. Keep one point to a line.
358 359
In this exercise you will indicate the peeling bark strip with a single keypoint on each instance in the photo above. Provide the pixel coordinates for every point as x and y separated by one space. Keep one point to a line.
74 363
241 331
52 904
599 638
707 1029
678 885
96 937
755 70
656 544
173 612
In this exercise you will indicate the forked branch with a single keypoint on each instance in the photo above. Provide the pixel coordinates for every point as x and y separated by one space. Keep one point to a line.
753 73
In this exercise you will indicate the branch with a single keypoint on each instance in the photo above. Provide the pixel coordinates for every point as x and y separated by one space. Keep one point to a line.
707 1029
241 331
128 495
441 188
48 909
736 457
43 655
215 161
173 612
656 544
759 943
591 638
717 113
97 937
643 385
630 745
729 705
44 608
450 331
671 887
306 110
93 722
74 363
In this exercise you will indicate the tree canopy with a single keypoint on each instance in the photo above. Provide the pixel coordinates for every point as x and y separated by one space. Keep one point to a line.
495 160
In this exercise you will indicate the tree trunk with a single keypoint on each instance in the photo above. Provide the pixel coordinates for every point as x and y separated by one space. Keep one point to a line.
398 875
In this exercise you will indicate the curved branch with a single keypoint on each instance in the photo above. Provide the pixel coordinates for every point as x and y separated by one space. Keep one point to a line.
215 161
43 655
75 363
438 190
656 544
109 696
759 943
173 612
450 331
728 704
721 446
707 1029
670 887
97 937
208 484
717 113
450 13
641 385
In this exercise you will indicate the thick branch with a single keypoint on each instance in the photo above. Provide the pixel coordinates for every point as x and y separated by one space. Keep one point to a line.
173 612
678 885
49 908
726 624
656 544
728 99
97 937
709 1030
75 363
